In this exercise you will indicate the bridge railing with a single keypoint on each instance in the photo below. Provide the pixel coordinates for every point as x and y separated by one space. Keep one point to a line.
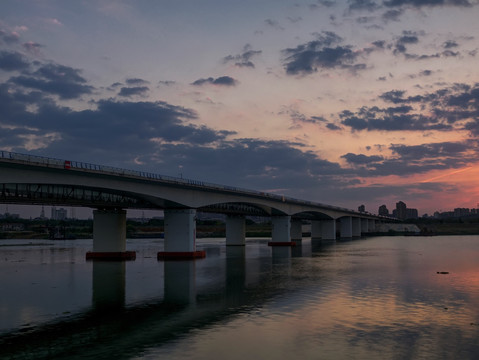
69 164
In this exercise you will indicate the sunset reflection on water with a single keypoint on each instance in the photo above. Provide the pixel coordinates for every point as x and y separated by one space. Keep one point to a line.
372 298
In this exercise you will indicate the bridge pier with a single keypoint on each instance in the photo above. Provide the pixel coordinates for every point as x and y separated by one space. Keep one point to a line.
109 236
346 230
296 230
180 235
364 226
371 225
235 230
316 233
328 229
281 231
356 227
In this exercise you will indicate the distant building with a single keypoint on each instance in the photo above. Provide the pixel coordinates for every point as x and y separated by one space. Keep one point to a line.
459 212
383 210
401 210
59 214
362 208
411 214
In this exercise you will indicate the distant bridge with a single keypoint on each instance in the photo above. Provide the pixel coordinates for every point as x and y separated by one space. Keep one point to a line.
28 179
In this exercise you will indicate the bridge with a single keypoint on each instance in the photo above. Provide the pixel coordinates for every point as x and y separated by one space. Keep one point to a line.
36 180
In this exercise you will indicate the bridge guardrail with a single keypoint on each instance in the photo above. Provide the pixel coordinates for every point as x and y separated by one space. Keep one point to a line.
70 164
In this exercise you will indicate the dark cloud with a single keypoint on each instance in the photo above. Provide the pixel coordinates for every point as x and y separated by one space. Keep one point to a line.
13 61
132 91
379 44
64 81
363 5
431 3
361 159
136 82
324 52
437 151
274 24
392 15
332 126
222 80
166 82
450 108
450 44
243 59
407 38
391 119
413 159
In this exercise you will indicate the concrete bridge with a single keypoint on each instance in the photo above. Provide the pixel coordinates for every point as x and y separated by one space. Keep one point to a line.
28 179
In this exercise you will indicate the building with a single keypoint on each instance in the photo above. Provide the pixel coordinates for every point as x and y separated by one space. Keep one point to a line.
362 208
59 214
383 211
401 212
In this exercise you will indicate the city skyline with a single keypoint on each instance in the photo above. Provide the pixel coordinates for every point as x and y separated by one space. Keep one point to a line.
339 102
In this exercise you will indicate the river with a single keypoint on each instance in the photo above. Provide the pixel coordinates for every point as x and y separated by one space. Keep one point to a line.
371 298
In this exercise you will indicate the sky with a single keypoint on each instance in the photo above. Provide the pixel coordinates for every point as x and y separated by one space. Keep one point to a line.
340 102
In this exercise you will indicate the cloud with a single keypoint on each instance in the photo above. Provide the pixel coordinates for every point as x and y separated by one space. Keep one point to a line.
243 59
12 61
166 82
429 3
132 91
222 81
136 81
413 159
363 5
274 24
32 47
407 38
9 37
325 52
451 108
392 15
361 159
64 81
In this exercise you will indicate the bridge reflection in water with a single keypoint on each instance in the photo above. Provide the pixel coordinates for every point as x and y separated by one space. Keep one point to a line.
230 281
369 299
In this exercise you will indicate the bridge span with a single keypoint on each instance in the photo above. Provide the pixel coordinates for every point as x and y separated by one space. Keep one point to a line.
29 179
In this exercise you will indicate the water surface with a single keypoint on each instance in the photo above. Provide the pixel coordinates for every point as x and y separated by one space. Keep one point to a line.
373 298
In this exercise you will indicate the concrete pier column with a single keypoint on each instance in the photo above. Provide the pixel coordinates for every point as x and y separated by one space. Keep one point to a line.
296 230
364 226
346 230
235 230
109 236
180 235
281 231
328 229
372 225
316 230
356 230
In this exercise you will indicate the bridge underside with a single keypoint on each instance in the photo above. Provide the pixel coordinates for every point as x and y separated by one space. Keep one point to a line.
180 228
72 195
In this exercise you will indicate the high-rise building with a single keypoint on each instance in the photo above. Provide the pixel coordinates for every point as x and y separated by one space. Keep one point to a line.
401 210
383 210
58 214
